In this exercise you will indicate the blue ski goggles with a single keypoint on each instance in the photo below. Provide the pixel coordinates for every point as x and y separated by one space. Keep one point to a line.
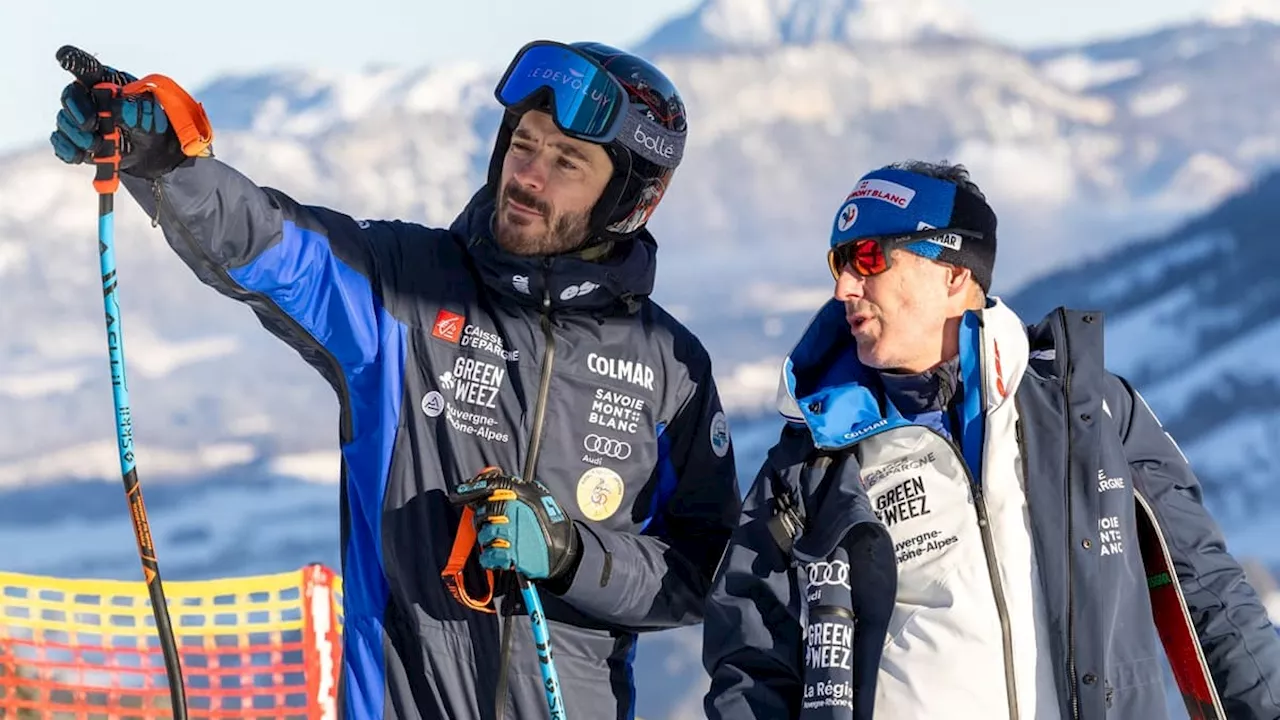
585 101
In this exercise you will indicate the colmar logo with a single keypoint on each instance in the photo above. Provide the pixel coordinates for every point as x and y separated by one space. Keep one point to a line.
448 326
654 143
951 241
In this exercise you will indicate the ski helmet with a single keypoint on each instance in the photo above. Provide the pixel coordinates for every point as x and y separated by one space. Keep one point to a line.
598 93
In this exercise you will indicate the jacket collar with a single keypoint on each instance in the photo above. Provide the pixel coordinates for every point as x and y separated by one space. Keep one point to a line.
824 386
561 281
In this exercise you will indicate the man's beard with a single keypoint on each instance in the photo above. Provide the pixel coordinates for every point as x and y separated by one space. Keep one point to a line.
566 232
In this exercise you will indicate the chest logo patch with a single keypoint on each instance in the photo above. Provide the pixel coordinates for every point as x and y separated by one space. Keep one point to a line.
599 493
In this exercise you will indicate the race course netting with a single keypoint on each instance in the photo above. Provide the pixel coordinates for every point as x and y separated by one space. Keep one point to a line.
264 646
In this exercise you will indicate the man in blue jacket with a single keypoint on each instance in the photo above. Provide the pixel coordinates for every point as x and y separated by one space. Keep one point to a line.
521 338
967 517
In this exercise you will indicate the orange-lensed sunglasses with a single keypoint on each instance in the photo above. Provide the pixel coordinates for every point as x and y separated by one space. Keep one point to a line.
869 256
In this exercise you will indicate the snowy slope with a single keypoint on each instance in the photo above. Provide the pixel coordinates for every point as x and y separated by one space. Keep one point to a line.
1191 321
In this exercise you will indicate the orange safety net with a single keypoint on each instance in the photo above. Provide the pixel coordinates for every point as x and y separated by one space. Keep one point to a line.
250 647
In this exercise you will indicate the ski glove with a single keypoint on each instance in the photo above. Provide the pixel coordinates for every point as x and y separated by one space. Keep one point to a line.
520 526
149 147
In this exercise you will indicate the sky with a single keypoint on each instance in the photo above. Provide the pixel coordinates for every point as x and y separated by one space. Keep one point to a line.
193 42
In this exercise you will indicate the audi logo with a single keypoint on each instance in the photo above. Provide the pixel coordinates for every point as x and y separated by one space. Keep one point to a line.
835 572
601 445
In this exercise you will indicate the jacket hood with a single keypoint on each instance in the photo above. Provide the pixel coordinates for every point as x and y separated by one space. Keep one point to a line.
824 386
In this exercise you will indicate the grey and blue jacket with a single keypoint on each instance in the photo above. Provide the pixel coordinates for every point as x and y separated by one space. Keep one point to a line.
988 563
449 355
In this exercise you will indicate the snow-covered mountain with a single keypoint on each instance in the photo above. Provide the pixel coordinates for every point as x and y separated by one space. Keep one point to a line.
732 25
1191 320
1116 154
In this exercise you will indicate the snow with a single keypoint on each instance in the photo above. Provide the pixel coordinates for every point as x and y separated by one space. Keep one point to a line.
99 460
1106 290
211 523
153 357
1002 167
1245 450
1201 182
13 257
1237 12
1259 149
1242 358
750 387
1077 71
1158 100
1160 335
321 466
768 23
450 89
772 298
39 384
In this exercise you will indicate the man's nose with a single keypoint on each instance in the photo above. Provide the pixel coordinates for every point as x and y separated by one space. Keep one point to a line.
531 172
849 285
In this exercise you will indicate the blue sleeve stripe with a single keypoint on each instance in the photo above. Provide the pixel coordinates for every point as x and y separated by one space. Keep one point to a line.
336 305
368 459
974 416
332 301
667 481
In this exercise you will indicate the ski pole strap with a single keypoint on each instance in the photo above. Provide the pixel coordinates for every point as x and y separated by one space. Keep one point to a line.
106 157
453 574
186 116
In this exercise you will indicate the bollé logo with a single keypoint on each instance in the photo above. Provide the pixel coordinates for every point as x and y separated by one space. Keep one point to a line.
655 143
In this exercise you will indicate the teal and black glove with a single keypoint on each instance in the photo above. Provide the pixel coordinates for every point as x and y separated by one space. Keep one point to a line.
520 526
149 147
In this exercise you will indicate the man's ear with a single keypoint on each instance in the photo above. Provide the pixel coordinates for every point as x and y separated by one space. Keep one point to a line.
958 279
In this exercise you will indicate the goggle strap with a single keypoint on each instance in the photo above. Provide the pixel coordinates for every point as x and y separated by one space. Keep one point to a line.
649 140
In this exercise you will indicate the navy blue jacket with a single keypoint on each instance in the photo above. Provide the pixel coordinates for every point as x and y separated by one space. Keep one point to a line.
1075 417
449 355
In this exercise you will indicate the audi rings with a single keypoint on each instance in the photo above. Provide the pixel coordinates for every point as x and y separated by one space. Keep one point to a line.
835 572
606 446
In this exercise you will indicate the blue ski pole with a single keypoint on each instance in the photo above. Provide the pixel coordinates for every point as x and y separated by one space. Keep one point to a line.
542 640
106 89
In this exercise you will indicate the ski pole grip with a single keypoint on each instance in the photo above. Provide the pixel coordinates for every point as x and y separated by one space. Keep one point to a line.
86 67
105 87
106 155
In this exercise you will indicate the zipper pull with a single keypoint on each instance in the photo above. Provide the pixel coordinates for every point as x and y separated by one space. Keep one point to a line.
155 193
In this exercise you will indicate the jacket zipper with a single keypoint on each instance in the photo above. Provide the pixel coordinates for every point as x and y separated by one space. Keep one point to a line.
335 370
530 464
997 589
1071 612
544 384
988 546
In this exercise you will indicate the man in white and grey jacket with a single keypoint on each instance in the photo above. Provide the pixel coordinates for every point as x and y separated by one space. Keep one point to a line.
966 516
